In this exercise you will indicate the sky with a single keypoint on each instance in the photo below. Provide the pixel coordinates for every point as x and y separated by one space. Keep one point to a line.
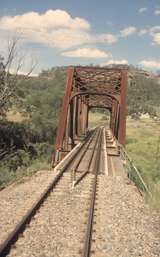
82 32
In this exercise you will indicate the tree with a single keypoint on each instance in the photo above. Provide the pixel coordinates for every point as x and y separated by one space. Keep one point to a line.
8 80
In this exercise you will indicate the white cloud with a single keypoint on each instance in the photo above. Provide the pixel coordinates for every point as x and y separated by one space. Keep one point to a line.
112 62
21 72
55 28
105 38
155 33
86 53
128 31
156 38
49 20
142 10
157 12
154 29
150 64
142 32
66 38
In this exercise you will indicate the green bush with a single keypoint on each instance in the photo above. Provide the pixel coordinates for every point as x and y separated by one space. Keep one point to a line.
20 158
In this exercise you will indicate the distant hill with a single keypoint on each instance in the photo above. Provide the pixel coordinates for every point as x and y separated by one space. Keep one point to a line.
142 96
143 93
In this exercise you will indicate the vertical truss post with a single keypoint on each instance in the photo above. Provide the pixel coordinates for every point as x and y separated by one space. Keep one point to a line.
71 121
117 121
74 117
83 116
122 120
64 113
78 115
80 118
87 117
116 118
66 138
113 113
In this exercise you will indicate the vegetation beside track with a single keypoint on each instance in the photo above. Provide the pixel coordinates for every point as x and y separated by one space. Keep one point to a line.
143 146
28 130
97 119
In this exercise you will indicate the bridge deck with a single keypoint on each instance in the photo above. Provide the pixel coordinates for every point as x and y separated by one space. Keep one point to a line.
111 163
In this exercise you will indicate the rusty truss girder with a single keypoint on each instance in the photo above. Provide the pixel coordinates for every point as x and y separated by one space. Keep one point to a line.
89 87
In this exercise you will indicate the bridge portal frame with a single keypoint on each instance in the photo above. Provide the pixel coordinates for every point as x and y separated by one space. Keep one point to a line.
73 122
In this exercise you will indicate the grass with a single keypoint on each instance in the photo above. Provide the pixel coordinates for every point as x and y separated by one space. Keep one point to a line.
15 116
24 164
97 119
143 146
7 177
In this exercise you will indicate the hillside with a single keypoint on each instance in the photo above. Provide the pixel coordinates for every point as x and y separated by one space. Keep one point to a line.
143 94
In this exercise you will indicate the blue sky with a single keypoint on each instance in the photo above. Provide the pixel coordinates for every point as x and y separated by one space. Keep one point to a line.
64 32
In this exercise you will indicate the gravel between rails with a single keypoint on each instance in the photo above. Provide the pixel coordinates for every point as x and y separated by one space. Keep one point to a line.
58 228
124 224
17 198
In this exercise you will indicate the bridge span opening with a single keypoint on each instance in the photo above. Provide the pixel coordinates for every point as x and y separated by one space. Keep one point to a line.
99 117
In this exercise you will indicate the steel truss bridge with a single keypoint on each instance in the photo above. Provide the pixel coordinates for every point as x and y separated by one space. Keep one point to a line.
86 88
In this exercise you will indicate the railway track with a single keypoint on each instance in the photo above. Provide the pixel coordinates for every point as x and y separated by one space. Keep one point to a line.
86 211
71 199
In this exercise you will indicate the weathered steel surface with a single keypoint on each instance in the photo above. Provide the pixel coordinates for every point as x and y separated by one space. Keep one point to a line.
122 120
64 110
89 87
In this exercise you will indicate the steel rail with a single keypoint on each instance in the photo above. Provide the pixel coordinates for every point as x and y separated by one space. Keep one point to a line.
20 227
81 158
89 164
88 235
76 165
